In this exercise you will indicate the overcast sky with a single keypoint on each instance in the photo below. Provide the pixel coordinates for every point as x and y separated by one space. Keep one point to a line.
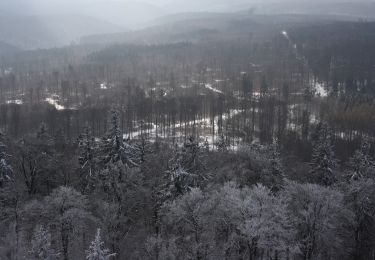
130 13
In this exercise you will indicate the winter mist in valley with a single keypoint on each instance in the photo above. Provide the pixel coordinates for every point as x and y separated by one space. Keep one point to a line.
187 130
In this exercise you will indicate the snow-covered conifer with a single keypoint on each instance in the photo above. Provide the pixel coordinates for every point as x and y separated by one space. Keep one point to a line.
114 148
222 144
97 251
276 169
5 169
143 148
86 143
361 163
323 157
41 245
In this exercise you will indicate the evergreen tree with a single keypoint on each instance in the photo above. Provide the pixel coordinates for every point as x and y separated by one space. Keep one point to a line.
97 251
190 154
189 157
222 144
183 172
6 170
361 163
275 172
114 149
143 148
41 245
182 182
117 156
86 144
323 157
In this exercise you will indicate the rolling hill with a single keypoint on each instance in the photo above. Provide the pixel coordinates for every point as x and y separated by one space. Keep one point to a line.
32 32
6 48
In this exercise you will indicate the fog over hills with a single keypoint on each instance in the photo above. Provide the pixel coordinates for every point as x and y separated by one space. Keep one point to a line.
57 23
6 48
187 129
45 31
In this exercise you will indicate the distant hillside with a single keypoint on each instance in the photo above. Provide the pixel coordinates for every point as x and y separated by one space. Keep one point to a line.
128 14
30 32
362 8
348 9
195 27
184 27
6 48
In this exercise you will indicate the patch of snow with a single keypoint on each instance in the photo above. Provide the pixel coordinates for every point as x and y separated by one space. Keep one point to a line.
8 71
55 103
103 85
314 119
254 65
209 86
15 101
286 35
320 89
203 123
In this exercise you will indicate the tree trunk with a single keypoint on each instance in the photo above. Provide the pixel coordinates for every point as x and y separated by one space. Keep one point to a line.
64 241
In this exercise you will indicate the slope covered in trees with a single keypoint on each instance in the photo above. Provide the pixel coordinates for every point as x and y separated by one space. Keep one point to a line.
246 145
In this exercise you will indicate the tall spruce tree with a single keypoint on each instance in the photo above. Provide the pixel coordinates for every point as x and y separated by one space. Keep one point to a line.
222 144
114 148
97 251
86 144
41 245
276 169
6 170
361 164
323 157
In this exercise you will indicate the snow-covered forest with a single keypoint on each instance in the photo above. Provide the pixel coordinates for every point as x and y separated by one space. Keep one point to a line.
214 137
111 198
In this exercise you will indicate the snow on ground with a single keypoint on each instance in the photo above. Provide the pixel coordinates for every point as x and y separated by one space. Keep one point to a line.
313 119
8 71
103 85
320 89
209 86
15 101
55 103
203 124
286 35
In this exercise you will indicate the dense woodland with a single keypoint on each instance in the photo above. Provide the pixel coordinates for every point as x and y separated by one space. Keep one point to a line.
254 144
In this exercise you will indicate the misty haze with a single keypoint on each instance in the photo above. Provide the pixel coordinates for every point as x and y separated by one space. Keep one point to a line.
187 130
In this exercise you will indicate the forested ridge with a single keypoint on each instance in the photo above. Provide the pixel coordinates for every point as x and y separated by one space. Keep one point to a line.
256 145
